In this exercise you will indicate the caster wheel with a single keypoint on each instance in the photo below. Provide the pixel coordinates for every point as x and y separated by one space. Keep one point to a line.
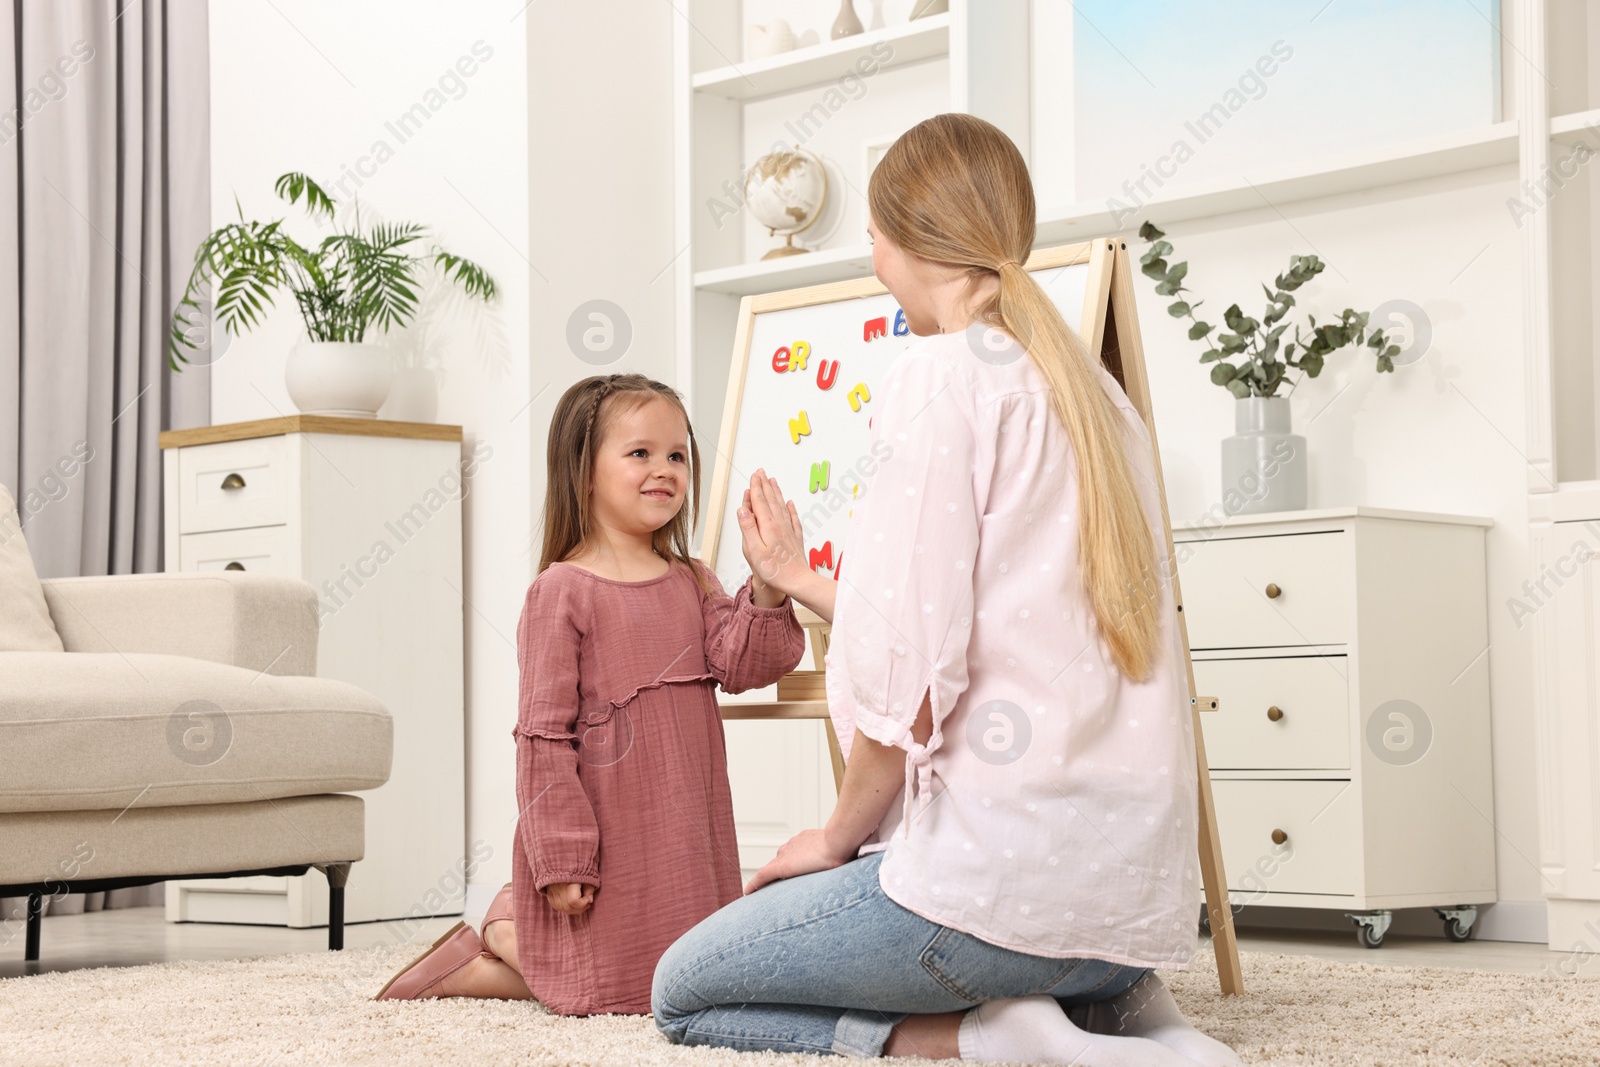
1455 930
1369 937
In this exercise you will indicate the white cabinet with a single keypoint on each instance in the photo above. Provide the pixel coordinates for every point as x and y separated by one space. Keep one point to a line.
1349 755
368 512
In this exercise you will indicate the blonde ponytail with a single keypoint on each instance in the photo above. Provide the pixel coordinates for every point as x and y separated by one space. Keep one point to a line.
955 190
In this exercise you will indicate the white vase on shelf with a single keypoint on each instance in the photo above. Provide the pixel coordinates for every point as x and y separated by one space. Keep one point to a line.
848 24
769 40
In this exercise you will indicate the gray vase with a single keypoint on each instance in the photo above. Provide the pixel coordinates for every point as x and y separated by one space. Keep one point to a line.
1263 464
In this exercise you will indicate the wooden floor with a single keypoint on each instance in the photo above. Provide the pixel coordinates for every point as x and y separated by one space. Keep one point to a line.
133 936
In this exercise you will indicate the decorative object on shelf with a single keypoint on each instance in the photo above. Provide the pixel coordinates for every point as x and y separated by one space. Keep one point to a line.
786 191
847 24
1263 461
768 40
353 281
925 8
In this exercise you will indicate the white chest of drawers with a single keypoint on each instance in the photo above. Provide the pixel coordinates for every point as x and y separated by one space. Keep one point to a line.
369 513
1349 755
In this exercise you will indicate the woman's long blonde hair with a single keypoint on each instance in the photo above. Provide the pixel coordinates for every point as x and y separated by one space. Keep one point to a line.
955 190
577 428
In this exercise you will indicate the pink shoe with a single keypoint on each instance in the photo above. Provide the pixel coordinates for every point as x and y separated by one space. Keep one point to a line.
457 948
499 911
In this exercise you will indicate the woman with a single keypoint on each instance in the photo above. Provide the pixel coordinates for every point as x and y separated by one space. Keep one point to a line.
1014 844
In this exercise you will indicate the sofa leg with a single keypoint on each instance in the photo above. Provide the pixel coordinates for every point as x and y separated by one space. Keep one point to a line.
35 926
338 874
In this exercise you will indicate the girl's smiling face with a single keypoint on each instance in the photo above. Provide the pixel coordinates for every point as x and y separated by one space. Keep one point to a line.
641 470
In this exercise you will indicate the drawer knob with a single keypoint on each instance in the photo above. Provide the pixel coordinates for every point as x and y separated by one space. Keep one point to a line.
234 566
233 481
1273 590
1274 713
1279 837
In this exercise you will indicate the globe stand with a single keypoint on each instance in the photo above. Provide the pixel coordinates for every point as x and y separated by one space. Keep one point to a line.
789 249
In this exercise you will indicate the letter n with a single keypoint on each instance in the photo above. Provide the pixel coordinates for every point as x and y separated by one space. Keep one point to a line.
799 427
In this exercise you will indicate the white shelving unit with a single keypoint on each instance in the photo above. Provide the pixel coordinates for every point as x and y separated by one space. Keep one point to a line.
729 111
1558 92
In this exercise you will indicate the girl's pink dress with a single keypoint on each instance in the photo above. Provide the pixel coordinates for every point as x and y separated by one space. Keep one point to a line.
622 774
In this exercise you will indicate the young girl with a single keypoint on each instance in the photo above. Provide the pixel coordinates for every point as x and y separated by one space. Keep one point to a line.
625 835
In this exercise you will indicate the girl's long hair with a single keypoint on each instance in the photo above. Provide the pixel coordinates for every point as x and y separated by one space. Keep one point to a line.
581 419
955 190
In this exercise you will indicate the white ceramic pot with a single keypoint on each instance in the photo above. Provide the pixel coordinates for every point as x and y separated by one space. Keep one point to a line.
339 378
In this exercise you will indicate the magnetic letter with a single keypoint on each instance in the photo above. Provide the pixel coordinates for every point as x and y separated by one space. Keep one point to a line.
780 359
823 556
819 476
858 394
824 375
798 360
877 327
799 427
900 327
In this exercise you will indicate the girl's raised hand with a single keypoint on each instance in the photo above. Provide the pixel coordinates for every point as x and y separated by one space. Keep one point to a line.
774 541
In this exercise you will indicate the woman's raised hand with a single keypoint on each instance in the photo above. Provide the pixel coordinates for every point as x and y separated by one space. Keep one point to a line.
774 541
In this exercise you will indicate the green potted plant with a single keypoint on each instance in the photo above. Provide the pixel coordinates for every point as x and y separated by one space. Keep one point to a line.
350 285
1263 460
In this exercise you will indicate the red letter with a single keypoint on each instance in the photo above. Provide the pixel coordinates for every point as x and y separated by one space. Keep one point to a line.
825 376
877 327
780 359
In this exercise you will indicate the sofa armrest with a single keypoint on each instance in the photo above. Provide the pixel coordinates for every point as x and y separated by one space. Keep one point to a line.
256 621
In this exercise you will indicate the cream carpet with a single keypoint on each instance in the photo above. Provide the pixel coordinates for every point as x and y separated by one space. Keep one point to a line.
315 1009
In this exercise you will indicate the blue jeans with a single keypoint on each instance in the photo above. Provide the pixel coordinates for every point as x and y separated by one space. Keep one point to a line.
827 963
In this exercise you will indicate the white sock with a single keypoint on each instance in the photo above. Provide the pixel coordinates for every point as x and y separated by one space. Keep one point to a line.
1147 1010
1036 1030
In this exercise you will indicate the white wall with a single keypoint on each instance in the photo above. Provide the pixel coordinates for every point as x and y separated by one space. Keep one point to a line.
299 85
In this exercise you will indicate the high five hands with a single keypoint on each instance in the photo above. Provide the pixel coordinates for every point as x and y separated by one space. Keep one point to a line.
774 541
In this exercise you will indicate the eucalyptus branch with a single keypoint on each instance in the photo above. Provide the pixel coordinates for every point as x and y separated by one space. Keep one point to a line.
1266 359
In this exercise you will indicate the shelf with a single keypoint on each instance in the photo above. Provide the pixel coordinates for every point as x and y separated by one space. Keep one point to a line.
1432 157
790 272
1570 129
1428 158
820 64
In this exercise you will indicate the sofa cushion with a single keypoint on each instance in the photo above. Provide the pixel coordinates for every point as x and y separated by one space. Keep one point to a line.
74 846
94 731
25 624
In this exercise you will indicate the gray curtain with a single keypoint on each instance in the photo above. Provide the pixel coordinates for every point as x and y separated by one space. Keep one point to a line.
104 196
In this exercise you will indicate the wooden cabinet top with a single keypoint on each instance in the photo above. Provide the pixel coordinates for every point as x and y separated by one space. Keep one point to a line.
241 431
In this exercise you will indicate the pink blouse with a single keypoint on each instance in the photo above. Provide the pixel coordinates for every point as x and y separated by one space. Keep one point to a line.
1053 809
622 771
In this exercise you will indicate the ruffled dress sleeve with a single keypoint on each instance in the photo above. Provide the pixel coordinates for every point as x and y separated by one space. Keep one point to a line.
748 647
555 822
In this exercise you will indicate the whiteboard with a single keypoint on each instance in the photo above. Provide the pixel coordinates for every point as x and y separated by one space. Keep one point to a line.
808 426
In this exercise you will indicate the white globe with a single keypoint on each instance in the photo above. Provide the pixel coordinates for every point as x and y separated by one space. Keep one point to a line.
785 190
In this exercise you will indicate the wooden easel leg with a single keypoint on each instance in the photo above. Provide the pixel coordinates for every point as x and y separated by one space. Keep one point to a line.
838 757
1212 877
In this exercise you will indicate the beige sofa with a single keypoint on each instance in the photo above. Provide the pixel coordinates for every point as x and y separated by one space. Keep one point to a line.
171 725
